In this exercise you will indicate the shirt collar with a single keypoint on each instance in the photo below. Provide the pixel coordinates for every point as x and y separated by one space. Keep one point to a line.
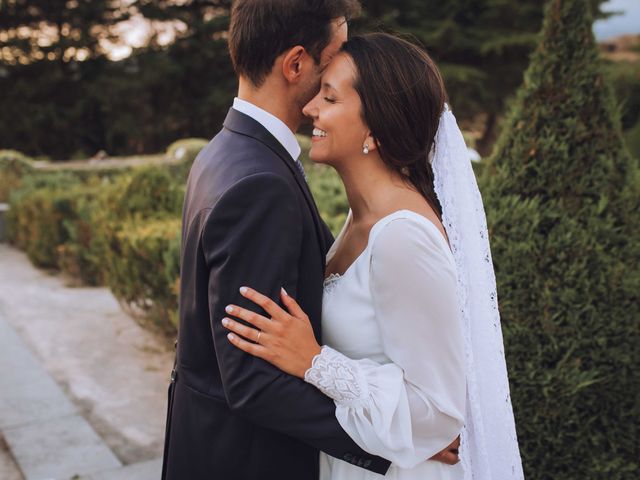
273 124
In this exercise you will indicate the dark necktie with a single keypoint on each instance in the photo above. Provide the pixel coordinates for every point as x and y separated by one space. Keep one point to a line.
300 169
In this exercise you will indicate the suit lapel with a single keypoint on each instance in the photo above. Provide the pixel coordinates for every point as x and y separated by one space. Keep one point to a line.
245 125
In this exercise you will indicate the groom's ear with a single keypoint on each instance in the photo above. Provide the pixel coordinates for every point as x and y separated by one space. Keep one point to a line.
293 63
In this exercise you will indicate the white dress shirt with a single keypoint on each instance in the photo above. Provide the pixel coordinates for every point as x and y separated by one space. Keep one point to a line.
273 124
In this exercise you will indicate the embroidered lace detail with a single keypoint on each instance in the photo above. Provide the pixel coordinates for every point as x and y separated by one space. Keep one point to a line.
338 377
331 282
485 452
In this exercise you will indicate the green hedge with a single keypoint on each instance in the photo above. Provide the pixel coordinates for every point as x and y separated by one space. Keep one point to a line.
185 152
144 268
561 194
625 78
42 221
13 167
326 187
105 231
120 227
632 137
328 191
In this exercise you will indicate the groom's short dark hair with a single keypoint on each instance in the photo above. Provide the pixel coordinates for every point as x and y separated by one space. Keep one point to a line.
261 30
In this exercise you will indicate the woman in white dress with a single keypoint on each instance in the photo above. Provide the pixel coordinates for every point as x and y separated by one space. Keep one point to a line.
400 356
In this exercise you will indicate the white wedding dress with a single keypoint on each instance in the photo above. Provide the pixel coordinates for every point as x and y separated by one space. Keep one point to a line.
393 354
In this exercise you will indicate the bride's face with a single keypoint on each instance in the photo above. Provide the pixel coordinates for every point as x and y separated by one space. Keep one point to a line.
339 131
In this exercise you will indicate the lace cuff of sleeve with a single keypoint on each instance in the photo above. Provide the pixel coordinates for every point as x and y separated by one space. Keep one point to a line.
339 377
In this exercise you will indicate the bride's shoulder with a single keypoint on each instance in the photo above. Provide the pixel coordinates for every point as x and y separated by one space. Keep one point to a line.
407 232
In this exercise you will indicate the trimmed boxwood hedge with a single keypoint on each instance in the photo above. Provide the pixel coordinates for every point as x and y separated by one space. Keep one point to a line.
120 227
13 167
561 194
143 268
106 231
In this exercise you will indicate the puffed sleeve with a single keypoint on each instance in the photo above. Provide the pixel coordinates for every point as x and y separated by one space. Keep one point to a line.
413 407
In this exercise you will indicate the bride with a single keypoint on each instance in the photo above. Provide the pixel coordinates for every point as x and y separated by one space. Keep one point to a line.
412 352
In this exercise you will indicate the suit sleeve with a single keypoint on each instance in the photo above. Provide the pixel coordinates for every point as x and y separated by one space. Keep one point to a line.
253 237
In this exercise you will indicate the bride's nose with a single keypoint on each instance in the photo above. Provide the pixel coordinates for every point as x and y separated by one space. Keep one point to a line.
310 109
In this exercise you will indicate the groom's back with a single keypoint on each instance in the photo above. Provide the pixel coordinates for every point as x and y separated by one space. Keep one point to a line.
209 434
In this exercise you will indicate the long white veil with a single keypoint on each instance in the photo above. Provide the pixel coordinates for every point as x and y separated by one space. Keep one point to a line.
489 445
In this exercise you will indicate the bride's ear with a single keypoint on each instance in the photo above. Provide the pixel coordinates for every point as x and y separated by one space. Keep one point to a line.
369 144
293 63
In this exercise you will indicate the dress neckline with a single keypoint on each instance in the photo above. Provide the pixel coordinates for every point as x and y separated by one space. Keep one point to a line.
332 278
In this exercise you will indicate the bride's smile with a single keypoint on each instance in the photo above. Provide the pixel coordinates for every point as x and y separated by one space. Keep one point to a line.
339 130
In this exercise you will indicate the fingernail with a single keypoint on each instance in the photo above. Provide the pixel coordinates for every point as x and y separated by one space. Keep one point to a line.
231 336
225 321
243 290
229 309
285 292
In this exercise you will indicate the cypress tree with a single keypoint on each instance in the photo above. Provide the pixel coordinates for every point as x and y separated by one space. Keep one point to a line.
562 194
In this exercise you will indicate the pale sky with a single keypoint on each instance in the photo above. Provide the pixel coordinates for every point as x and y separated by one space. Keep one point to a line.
617 25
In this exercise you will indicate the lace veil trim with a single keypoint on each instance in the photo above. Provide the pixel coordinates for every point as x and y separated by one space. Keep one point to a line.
489 445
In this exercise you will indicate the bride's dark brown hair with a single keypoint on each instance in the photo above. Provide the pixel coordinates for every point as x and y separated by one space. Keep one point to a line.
402 95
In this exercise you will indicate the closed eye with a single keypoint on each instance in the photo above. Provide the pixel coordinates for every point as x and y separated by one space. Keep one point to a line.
329 100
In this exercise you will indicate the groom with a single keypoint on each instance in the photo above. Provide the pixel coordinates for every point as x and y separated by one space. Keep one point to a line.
249 219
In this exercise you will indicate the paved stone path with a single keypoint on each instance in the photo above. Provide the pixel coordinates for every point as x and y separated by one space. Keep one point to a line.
83 392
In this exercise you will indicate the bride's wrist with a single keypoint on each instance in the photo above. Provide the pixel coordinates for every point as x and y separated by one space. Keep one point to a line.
317 350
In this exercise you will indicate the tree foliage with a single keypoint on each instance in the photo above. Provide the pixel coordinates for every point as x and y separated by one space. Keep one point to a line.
63 98
61 107
481 46
35 30
561 194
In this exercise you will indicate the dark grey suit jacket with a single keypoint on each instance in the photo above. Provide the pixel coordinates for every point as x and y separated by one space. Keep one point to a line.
248 219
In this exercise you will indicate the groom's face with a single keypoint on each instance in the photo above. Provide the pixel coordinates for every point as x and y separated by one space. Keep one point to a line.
339 33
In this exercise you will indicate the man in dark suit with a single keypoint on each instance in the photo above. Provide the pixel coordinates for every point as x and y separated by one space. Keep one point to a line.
249 219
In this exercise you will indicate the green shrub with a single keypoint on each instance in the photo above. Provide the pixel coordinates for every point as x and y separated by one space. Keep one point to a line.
185 152
148 192
186 149
13 167
632 137
561 195
37 215
327 188
144 268
86 226
625 78
37 228
62 222
118 230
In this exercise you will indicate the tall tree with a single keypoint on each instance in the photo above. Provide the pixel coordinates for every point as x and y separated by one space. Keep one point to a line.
206 80
33 30
481 46
50 52
561 193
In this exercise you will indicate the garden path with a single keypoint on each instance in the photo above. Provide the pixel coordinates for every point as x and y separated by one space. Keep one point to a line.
84 386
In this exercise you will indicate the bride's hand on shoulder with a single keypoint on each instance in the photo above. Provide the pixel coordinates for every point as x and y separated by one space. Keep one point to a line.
286 339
